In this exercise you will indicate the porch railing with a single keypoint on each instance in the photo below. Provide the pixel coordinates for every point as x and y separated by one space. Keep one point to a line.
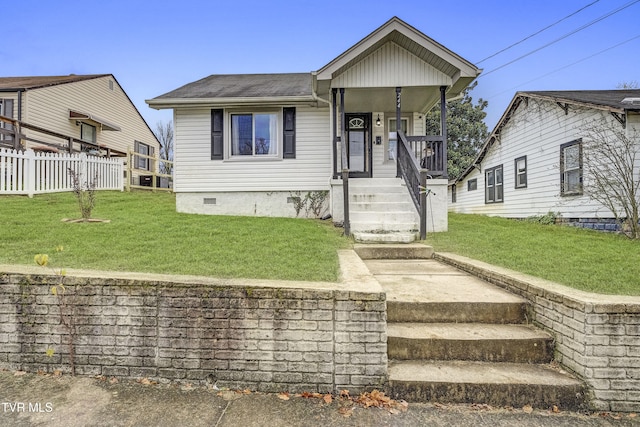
429 151
12 135
419 158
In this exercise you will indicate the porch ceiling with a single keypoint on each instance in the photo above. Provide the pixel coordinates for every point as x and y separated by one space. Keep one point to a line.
414 99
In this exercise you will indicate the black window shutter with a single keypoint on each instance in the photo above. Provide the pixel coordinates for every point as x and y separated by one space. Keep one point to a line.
136 159
217 141
151 161
7 111
289 133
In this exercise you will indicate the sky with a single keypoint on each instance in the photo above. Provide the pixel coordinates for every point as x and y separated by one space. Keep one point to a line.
153 47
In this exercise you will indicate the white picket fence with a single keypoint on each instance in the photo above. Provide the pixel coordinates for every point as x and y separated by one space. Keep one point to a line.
28 172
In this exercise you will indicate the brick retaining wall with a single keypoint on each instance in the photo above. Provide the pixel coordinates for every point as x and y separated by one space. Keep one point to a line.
258 335
597 336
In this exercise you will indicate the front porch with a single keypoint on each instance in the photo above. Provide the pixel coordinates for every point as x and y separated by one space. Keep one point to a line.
379 92
387 174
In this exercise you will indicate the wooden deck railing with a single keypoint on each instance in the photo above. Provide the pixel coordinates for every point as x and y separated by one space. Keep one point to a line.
12 136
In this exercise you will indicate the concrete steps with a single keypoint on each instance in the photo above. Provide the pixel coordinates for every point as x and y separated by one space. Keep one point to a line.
453 338
496 384
381 211
469 341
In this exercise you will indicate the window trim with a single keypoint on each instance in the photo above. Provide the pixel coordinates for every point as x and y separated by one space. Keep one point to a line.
94 135
517 174
495 185
143 163
475 184
563 172
254 157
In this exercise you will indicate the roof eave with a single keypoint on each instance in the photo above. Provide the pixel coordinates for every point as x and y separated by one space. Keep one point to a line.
166 103
562 100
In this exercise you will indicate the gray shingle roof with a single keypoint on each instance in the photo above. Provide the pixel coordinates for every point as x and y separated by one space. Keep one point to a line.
605 98
35 82
244 86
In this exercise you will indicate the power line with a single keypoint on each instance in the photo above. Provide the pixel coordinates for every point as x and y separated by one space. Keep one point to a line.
537 32
566 66
561 38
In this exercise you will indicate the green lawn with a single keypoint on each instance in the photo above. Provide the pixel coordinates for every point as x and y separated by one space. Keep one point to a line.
147 235
583 259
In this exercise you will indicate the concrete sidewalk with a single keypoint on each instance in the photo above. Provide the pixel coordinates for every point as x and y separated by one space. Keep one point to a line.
45 400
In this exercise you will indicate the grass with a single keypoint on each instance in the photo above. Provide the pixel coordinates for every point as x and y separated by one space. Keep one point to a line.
583 259
146 234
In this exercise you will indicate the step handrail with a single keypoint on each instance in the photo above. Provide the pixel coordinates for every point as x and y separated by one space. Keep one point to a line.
416 179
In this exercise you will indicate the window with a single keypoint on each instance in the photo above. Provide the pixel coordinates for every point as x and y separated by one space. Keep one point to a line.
453 193
143 162
249 135
520 166
254 134
571 168
472 184
493 183
87 132
393 138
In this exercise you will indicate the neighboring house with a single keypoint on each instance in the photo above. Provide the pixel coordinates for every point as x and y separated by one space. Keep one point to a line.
94 110
532 162
254 144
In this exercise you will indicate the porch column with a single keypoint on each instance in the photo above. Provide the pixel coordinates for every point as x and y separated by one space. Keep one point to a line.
345 166
398 127
334 106
443 126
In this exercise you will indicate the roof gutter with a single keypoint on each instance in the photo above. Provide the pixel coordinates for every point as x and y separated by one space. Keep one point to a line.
314 87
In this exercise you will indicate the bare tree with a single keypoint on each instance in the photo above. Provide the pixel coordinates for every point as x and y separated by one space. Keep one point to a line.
611 156
633 84
164 133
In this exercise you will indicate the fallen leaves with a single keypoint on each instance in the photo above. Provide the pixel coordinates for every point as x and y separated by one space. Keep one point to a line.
283 396
373 399
146 381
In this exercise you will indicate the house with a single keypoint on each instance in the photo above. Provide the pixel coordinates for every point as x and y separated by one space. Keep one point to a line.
262 144
533 161
75 113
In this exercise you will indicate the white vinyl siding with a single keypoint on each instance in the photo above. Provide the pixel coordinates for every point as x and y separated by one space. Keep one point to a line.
196 172
391 66
536 131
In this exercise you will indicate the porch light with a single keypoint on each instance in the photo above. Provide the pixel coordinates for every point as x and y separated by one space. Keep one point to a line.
378 122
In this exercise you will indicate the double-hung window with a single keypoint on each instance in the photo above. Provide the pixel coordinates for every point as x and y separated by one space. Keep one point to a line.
393 137
520 165
571 168
143 162
493 185
254 134
87 132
